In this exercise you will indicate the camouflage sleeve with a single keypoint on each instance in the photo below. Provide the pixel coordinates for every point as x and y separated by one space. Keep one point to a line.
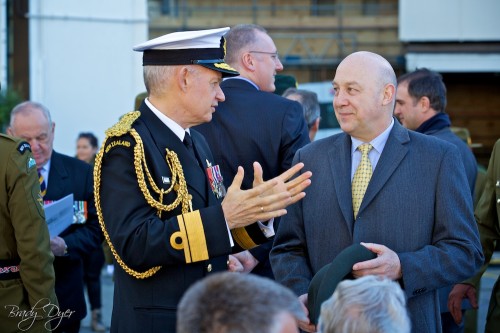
28 221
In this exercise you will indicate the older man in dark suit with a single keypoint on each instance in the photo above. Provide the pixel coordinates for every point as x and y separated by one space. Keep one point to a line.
401 194
253 124
61 175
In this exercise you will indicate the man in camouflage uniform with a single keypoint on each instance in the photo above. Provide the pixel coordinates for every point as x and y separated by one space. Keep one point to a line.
26 272
488 221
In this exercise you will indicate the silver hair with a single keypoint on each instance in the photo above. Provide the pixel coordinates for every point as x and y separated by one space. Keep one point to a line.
156 77
28 106
239 38
369 304
309 102
232 302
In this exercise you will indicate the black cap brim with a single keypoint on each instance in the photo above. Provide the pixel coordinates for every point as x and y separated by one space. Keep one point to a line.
218 65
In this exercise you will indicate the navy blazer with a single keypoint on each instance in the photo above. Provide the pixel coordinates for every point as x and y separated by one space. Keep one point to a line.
417 203
69 175
253 125
467 157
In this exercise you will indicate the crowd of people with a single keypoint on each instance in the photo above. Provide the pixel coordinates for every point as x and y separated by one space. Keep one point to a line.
220 213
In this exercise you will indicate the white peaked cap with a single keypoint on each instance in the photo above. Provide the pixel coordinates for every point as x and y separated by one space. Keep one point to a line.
202 47
199 39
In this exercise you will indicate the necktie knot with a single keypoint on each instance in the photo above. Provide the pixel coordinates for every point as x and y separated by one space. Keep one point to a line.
365 148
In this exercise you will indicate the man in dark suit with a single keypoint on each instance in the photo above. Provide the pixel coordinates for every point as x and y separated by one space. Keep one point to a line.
413 207
420 106
253 124
158 189
61 175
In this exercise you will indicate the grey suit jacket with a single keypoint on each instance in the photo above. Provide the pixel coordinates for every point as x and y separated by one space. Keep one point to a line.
418 204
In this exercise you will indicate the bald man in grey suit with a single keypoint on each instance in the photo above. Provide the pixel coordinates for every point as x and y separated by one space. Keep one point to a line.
416 214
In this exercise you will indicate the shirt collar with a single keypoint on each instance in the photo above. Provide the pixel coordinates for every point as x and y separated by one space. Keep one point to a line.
378 143
244 79
172 125
45 171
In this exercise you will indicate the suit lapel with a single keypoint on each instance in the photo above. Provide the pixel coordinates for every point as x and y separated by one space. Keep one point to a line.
394 151
205 156
57 178
340 162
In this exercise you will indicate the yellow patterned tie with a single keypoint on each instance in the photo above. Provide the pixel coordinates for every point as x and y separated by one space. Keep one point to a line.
361 177
43 186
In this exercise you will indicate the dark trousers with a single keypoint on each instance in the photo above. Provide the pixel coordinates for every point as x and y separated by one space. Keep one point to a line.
92 267
449 325
73 327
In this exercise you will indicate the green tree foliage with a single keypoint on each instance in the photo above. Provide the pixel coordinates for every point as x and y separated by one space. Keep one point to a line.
8 99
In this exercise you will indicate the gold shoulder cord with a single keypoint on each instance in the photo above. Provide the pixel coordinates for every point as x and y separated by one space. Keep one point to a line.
178 183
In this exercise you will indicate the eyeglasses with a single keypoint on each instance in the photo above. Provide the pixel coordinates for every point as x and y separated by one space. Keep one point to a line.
274 55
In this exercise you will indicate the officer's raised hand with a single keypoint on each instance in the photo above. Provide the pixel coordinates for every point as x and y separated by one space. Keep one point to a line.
265 200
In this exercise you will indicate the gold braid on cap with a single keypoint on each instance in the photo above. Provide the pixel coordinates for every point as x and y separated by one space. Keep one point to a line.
143 178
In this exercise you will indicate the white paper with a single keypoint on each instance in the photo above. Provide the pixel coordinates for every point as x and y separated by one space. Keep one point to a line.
59 215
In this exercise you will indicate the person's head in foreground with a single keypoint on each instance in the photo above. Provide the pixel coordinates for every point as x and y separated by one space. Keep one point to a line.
238 303
369 304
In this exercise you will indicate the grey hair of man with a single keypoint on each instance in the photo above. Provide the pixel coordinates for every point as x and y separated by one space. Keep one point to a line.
426 83
156 78
27 107
369 304
232 302
309 102
238 39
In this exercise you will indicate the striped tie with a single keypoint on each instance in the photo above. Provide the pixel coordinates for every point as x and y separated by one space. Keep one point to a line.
43 187
361 177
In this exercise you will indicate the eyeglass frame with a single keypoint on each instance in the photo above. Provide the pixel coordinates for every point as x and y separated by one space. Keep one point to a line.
274 55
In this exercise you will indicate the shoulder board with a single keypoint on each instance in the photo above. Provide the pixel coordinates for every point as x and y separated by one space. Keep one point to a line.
123 125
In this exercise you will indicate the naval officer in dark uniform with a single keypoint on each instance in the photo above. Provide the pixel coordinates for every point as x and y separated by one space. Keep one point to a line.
27 279
158 189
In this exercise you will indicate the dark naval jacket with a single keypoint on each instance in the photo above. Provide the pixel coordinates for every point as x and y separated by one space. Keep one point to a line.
162 247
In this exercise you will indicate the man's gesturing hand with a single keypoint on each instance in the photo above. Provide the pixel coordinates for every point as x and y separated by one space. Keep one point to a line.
266 200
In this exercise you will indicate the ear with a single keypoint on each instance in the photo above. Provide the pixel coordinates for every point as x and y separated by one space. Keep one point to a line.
182 78
389 94
314 129
53 127
424 103
9 131
248 62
